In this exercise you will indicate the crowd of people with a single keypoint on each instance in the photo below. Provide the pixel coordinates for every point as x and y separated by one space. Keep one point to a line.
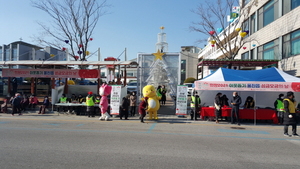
286 108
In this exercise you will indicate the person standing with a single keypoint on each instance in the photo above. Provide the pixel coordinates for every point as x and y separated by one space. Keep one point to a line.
278 104
24 103
195 105
124 107
97 102
163 92
90 102
218 105
290 115
132 99
16 104
142 108
44 105
235 102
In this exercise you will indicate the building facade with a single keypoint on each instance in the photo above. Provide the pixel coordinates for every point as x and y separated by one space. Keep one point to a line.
274 28
274 34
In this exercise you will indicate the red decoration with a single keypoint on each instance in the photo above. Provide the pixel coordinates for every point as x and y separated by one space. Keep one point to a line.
211 32
80 45
88 73
63 49
212 45
296 86
76 57
244 47
91 39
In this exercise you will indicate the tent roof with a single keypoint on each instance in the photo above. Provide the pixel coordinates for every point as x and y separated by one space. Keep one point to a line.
263 75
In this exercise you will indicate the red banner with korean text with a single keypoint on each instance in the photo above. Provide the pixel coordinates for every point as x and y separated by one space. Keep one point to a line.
247 86
52 73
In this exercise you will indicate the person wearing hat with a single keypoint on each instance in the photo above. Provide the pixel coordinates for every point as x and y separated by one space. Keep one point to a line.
278 104
142 108
90 102
289 117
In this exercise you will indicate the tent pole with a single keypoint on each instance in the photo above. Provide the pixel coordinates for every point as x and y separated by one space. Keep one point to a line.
255 108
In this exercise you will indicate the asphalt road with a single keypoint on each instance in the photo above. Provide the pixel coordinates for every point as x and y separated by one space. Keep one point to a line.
35 142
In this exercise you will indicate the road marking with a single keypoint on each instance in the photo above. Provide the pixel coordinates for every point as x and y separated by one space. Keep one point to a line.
151 128
294 140
53 124
79 125
243 131
129 121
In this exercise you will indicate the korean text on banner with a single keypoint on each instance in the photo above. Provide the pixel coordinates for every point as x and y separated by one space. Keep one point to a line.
181 100
115 98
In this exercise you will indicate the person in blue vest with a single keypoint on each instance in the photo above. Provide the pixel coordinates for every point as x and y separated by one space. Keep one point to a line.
278 104
289 117
90 102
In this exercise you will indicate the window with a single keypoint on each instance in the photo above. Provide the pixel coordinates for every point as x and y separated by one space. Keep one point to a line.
268 13
183 68
252 24
291 44
245 26
269 51
14 54
7 54
245 56
289 5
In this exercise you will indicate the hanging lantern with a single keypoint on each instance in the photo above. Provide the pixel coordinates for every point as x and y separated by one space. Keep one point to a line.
67 41
247 32
87 53
79 52
212 42
76 57
80 45
243 34
238 29
211 32
212 45
63 49
52 55
231 20
253 45
244 48
91 39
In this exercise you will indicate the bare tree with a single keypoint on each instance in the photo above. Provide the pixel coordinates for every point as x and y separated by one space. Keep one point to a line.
72 24
213 22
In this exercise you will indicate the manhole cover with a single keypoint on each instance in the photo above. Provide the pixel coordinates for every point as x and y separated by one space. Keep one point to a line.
238 128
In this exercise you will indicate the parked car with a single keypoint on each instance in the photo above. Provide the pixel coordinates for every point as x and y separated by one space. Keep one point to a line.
131 87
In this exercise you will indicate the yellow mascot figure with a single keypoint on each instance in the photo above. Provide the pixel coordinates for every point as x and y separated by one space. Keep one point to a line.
153 101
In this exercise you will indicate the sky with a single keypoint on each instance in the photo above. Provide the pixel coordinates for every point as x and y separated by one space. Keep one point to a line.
130 24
